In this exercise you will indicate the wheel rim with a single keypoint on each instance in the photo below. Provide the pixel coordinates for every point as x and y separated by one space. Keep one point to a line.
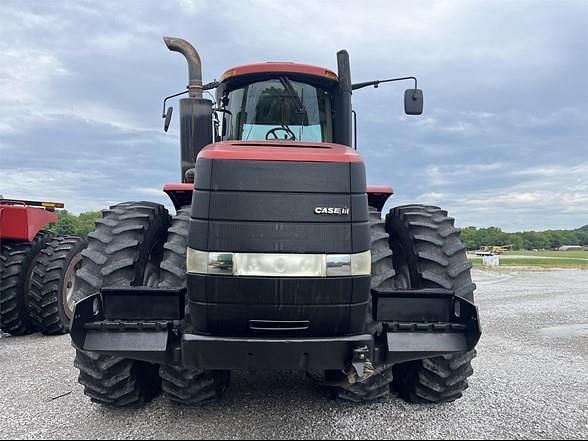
69 285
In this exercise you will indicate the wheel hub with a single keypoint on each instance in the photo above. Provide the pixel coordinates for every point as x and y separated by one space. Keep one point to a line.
69 285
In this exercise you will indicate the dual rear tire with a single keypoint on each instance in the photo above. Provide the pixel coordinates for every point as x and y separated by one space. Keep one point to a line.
36 282
428 253
139 244
190 387
53 284
417 246
124 250
17 262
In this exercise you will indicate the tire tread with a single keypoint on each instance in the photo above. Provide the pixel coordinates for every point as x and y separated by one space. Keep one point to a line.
437 258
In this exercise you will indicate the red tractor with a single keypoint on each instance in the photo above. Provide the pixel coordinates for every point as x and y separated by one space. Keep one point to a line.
37 270
278 257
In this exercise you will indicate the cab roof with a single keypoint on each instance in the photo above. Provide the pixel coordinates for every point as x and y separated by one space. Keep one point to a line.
279 67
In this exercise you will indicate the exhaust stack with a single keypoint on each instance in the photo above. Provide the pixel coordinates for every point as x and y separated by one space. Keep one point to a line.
194 63
343 99
195 111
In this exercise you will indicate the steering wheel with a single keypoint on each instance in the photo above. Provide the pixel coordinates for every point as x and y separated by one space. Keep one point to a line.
272 134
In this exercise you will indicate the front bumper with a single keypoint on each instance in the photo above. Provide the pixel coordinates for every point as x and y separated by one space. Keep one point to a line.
145 324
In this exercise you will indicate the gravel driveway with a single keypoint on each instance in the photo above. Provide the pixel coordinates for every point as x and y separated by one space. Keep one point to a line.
531 381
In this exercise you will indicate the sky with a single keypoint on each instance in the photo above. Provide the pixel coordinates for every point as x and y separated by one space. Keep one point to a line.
503 140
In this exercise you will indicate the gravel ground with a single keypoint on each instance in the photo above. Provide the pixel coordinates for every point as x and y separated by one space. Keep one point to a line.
531 381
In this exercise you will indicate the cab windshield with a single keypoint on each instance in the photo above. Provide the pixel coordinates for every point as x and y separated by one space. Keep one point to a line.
278 109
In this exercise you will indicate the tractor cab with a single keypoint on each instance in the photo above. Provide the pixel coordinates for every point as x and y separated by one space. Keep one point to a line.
277 101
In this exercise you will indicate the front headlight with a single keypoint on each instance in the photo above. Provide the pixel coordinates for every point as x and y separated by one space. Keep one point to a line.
361 263
197 261
278 265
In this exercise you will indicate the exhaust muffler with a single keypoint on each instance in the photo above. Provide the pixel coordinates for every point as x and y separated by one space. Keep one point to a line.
195 111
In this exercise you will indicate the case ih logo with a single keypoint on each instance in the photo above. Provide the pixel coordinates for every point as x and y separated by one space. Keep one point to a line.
332 210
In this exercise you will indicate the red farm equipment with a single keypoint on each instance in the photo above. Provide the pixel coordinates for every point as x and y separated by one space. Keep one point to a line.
278 257
37 270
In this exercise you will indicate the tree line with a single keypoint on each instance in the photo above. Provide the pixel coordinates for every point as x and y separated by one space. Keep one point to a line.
70 224
473 237
476 238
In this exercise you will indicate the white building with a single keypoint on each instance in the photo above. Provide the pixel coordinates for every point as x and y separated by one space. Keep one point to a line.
571 248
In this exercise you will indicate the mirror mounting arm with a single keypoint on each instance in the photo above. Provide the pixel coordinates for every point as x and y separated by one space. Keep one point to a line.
376 83
212 85
209 86
413 98
167 114
169 97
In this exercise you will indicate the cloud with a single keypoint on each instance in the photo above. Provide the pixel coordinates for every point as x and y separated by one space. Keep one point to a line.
557 192
503 140
51 184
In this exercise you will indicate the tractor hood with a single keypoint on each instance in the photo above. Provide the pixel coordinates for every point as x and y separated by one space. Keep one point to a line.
281 151
265 196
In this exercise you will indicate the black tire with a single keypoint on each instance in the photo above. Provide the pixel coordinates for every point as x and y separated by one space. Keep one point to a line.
427 245
377 386
52 279
173 264
434 380
428 253
126 245
188 387
115 381
17 260
127 241
193 387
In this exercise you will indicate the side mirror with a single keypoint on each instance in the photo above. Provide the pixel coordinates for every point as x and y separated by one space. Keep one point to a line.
168 117
413 101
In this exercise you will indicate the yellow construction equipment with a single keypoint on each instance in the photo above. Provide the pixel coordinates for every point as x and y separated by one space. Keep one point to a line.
492 250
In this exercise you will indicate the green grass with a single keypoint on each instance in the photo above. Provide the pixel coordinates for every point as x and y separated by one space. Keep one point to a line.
544 259
566 254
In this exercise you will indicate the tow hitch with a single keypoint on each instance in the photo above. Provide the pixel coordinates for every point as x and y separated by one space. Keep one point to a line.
361 366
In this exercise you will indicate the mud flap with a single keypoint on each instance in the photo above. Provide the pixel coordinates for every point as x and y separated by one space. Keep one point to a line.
121 322
125 342
426 322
